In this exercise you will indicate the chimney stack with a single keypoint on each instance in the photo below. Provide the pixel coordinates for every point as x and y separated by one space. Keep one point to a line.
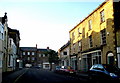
48 48
36 46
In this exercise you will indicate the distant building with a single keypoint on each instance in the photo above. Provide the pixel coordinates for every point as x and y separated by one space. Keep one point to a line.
43 58
35 56
64 54
29 55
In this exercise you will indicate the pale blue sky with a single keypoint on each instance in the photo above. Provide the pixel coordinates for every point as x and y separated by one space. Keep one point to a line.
45 23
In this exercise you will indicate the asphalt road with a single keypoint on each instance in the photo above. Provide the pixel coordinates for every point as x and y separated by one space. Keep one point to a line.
33 75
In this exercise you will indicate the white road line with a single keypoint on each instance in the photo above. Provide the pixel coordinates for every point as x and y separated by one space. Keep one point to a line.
19 77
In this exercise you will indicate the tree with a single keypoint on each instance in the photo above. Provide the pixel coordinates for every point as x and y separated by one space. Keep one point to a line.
53 57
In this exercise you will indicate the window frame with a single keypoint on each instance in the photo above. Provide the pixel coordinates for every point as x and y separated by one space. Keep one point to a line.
103 37
102 16
90 41
90 24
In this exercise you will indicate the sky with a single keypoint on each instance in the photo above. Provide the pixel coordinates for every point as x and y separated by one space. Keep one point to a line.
46 22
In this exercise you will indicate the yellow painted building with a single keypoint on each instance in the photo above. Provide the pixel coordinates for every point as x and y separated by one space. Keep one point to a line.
93 40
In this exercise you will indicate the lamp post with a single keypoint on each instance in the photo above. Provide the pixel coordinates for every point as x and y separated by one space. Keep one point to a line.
18 60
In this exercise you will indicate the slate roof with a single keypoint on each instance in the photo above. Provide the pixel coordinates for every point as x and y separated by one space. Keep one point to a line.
28 48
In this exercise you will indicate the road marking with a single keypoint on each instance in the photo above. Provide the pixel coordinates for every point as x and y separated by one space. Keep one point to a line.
19 77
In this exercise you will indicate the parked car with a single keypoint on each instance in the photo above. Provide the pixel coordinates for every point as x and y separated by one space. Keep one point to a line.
68 70
37 67
57 69
104 72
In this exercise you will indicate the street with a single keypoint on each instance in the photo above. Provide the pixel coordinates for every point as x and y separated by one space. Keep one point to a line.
34 75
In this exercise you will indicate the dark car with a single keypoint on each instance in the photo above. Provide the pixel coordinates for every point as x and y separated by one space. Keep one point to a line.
57 69
68 70
102 72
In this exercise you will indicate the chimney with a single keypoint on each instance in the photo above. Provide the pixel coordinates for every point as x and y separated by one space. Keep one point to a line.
48 48
36 46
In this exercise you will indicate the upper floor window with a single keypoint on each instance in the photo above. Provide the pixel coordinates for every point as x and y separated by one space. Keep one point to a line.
28 58
33 53
28 53
64 53
103 36
79 32
43 55
73 35
33 58
79 45
102 16
23 53
73 47
90 41
39 55
90 24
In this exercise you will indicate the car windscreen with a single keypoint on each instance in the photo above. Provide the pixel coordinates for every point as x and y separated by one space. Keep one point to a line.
111 68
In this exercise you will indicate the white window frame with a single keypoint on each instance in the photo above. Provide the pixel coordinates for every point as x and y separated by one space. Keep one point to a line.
23 53
103 37
90 24
33 53
28 53
102 16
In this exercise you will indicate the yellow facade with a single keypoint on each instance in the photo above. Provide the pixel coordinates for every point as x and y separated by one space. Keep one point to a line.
92 26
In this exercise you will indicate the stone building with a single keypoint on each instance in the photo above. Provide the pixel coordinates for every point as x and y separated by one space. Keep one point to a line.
64 55
93 40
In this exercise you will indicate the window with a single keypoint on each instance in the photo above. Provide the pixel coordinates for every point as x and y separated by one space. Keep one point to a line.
102 16
28 53
73 35
28 58
73 47
43 55
65 53
79 46
103 36
39 55
90 41
23 53
90 24
79 32
33 53
33 58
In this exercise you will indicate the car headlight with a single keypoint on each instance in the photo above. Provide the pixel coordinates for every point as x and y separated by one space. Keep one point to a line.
113 75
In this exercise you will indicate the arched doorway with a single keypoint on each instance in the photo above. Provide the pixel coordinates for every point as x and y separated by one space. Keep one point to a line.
110 58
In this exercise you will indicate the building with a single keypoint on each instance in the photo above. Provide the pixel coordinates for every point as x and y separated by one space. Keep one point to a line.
117 28
11 38
93 40
13 48
4 20
1 47
29 55
64 55
43 58
35 56
11 55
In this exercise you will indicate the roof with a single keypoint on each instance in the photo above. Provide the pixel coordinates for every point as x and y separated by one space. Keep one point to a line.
65 45
28 48
14 30
42 50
